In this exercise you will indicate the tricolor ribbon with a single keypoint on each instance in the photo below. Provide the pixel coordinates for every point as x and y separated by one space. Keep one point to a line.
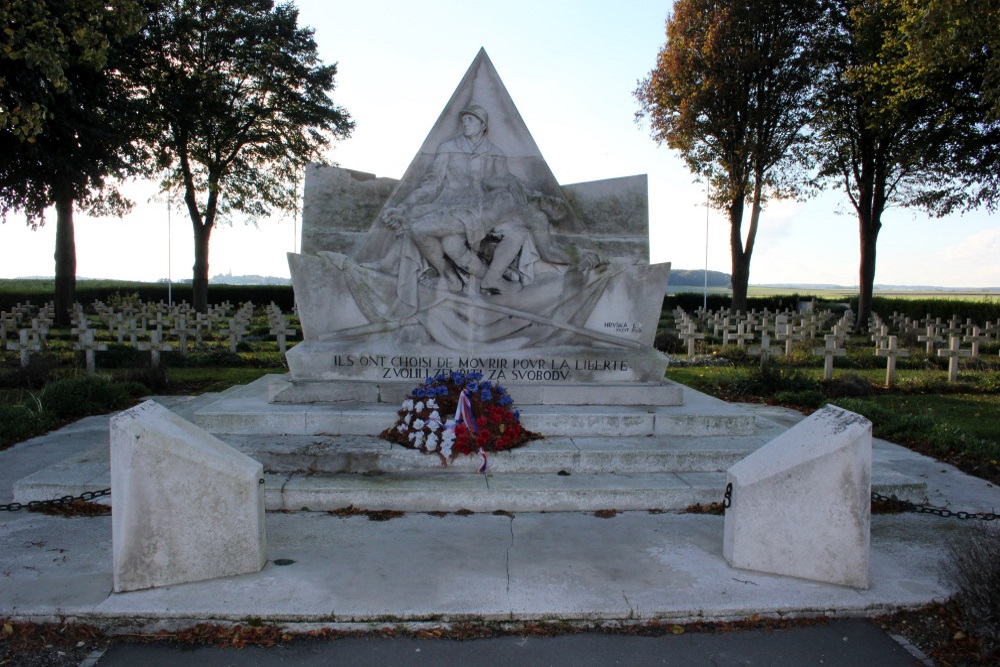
463 413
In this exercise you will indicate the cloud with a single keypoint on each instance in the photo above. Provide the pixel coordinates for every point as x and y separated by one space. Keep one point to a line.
982 247
975 257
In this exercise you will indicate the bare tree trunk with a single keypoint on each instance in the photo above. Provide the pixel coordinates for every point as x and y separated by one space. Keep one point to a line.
869 223
740 268
199 282
741 254
65 257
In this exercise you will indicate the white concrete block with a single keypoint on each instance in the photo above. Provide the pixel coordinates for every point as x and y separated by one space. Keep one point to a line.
187 506
801 504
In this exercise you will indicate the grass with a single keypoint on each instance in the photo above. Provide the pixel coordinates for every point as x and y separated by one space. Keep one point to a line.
953 422
202 380
54 388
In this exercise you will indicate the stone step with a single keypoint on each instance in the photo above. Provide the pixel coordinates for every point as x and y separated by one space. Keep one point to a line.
578 455
283 390
247 412
518 492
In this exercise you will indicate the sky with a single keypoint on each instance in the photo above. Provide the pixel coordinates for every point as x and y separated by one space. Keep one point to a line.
571 67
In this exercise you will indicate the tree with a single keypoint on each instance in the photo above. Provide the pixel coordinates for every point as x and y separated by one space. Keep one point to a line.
884 148
239 104
731 91
66 116
957 37
952 52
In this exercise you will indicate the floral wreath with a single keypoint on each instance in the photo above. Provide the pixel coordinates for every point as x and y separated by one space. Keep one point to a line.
458 413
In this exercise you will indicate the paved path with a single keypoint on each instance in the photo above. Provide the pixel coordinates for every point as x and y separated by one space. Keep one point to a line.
844 643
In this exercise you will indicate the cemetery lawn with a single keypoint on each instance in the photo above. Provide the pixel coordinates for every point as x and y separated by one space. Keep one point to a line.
200 380
954 423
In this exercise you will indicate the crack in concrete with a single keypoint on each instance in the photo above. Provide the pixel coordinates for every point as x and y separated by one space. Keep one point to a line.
631 611
507 565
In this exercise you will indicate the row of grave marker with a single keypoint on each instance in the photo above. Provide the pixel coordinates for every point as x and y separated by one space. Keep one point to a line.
738 329
152 321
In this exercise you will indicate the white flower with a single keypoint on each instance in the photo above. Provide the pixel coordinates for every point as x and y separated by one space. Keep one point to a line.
419 407
446 449
401 428
408 404
434 423
447 438
418 424
432 442
418 438
432 404
408 418
412 435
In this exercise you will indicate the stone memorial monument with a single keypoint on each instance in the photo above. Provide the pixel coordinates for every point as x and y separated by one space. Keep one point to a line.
477 259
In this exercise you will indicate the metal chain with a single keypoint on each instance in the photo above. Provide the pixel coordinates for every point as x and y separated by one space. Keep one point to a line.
904 505
36 505
907 506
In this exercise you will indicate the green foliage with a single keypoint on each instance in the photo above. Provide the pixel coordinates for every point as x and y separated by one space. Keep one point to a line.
847 384
764 380
890 423
18 422
60 400
802 398
66 121
953 54
87 394
691 301
87 291
40 369
43 44
979 311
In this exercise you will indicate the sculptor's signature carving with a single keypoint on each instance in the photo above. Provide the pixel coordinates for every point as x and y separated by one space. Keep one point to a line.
472 220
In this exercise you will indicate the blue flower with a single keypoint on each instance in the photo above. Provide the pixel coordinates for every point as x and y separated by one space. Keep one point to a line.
458 377
517 414
486 395
505 400
473 387
475 375
442 391
485 384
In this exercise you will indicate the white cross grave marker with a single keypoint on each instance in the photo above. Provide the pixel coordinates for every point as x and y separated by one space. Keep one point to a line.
89 347
829 352
954 353
891 351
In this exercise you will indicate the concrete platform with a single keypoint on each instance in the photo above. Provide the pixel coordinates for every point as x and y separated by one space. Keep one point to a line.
438 568
575 471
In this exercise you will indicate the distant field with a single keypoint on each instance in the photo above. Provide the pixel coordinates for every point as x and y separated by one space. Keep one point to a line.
38 287
970 295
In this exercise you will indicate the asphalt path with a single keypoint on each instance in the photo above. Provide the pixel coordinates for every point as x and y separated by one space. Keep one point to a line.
844 642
